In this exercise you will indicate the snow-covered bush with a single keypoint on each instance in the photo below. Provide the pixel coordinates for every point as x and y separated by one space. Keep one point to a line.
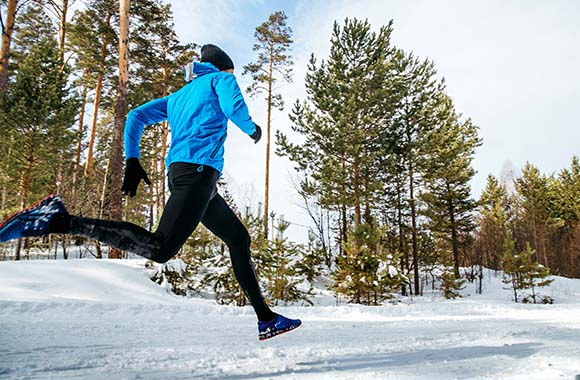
367 274
174 276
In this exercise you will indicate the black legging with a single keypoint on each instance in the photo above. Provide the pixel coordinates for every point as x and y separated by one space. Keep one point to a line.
194 198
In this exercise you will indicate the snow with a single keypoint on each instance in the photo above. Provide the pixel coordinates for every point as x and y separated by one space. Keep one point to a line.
104 319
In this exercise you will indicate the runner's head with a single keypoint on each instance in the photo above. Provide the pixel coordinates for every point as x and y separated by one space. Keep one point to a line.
217 57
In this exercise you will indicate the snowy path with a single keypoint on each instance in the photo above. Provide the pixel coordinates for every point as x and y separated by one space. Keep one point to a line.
64 320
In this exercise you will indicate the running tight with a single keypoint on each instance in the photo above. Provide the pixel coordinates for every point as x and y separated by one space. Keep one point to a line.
193 198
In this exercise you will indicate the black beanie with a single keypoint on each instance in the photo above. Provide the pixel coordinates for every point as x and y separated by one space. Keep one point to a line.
216 56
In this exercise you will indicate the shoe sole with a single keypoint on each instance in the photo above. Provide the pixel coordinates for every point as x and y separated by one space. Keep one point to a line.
279 332
11 217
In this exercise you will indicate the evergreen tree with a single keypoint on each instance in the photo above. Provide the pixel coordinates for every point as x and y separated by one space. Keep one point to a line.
174 275
39 108
92 39
493 222
342 122
367 273
447 171
58 10
521 272
451 285
412 122
287 276
273 66
564 222
534 200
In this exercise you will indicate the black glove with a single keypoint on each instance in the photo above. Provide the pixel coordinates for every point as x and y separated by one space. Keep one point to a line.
257 135
134 173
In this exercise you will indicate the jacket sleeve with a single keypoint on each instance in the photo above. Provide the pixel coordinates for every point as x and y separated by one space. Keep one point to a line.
151 112
232 102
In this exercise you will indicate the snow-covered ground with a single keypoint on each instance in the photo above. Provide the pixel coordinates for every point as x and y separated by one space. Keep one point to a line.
105 320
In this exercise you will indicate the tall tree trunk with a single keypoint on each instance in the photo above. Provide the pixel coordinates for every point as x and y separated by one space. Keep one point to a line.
163 169
80 133
62 29
414 228
102 201
343 226
164 136
357 186
24 191
402 251
99 90
454 237
7 30
115 203
269 116
154 204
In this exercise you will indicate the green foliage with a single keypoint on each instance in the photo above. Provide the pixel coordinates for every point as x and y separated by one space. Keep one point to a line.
366 274
494 222
534 200
522 273
449 152
288 273
37 112
273 63
341 121
450 285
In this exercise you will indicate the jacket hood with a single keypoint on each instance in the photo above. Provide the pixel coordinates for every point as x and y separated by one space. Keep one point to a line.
196 69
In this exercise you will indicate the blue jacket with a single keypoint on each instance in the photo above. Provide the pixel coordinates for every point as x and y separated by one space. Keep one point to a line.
198 115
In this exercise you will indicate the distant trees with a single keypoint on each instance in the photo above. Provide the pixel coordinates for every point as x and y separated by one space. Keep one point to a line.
543 212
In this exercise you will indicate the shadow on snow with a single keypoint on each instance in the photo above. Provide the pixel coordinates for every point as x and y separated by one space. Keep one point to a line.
398 359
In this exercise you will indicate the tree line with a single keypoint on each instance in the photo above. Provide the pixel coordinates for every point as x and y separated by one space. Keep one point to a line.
383 157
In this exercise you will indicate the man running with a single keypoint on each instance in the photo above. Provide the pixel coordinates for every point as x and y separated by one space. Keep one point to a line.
198 114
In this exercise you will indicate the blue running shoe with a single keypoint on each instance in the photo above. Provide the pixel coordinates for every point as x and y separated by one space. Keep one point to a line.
33 221
277 326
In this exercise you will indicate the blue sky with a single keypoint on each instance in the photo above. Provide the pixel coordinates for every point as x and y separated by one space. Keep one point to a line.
511 66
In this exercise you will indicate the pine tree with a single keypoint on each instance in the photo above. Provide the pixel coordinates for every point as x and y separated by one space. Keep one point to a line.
367 272
451 285
493 222
521 272
564 219
450 149
273 66
342 122
59 10
91 38
534 200
412 123
287 276
39 108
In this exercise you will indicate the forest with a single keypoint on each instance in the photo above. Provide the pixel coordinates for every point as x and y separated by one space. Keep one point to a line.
385 159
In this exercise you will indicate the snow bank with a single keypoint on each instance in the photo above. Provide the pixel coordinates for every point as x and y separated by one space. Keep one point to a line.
120 281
